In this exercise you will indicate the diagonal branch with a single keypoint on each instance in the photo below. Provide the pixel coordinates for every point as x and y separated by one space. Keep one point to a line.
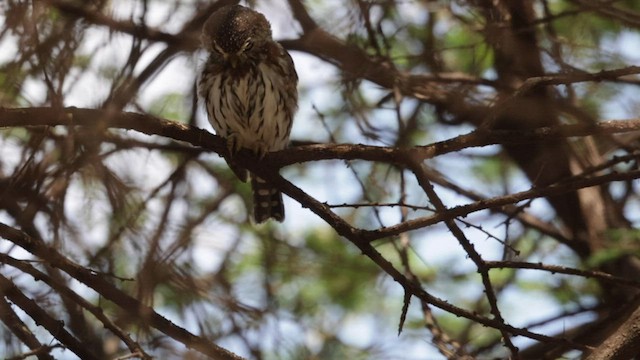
623 343
65 291
355 237
54 326
496 202
418 169
127 303
11 320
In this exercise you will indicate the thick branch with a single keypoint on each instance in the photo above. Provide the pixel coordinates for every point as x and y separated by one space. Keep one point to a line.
624 343
150 125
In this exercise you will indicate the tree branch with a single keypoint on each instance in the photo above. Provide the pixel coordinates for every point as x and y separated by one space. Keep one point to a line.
64 291
623 343
54 326
11 320
151 125
127 303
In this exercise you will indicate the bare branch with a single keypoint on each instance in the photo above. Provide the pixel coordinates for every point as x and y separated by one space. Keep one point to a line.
127 303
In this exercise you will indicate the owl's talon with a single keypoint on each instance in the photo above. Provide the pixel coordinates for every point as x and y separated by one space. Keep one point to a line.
261 150
233 144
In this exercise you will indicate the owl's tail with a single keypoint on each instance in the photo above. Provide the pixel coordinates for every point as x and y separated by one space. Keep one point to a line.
267 201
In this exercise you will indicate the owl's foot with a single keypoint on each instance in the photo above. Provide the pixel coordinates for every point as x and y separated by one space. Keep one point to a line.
261 153
233 144
261 149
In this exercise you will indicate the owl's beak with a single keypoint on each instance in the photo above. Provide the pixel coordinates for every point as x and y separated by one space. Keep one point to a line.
233 59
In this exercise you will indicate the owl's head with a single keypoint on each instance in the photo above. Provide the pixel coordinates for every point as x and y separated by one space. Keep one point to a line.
235 32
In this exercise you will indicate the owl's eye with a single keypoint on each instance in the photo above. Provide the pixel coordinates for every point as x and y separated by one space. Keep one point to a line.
247 45
217 47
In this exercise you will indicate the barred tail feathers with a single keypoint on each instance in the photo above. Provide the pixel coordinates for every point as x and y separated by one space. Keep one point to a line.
267 201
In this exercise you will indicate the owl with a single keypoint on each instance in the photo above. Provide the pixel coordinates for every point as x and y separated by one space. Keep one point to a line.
249 88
